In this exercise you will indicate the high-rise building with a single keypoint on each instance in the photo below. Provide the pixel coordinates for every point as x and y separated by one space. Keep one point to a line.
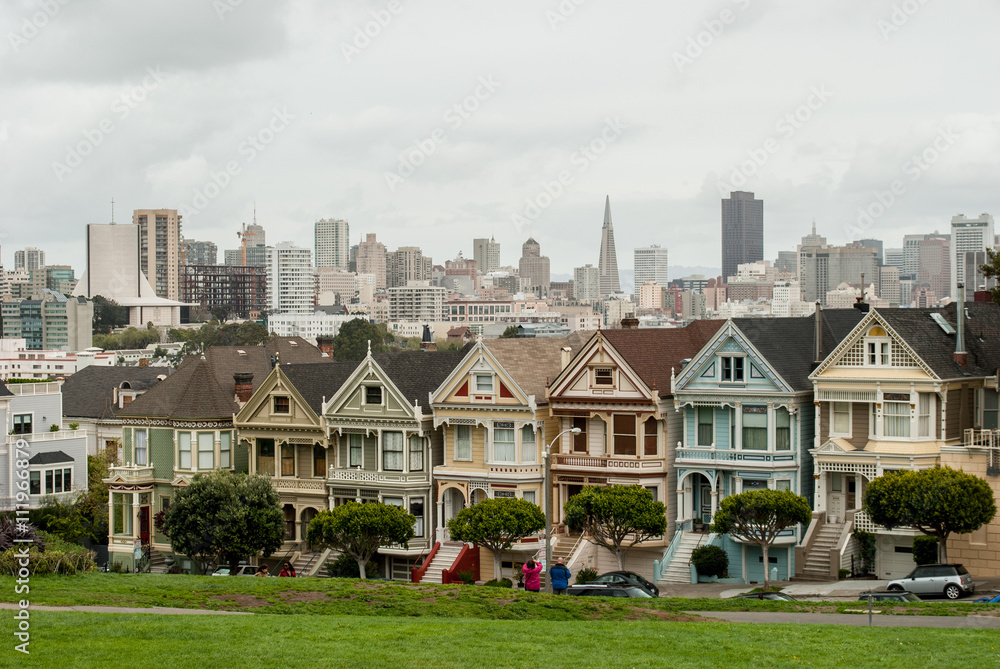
51 322
968 234
238 291
333 243
160 249
888 284
742 231
586 283
974 277
405 264
935 264
290 279
874 244
29 258
788 261
486 253
895 257
534 266
371 260
650 265
200 253
418 302
607 263
253 244
823 268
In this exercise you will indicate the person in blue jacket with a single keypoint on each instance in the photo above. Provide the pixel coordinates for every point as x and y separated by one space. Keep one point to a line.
560 577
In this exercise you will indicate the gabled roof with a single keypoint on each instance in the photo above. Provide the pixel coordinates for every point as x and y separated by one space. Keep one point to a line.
418 373
90 392
50 458
531 363
653 353
5 391
318 381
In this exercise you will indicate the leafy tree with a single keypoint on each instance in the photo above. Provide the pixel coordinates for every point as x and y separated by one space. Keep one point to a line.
108 315
220 517
359 529
991 270
497 524
86 518
247 333
936 501
510 332
758 516
617 517
351 342
128 339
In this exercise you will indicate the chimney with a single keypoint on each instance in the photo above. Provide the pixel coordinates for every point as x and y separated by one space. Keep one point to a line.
427 340
565 355
630 324
960 355
325 344
244 386
818 321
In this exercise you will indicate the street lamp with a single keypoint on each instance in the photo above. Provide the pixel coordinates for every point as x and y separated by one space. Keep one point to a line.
548 504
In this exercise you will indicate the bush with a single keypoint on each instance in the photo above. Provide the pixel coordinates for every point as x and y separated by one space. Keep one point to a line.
585 575
925 550
346 566
866 552
466 577
74 561
502 583
843 573
117 568
710 560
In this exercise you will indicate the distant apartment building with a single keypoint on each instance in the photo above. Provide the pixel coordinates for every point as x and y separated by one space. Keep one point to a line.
650 264
200 253
335 286
486 253
371 259
586 283
29 258
51 322
463 274
534 267
895 257
240 291
160 249
935 264
406 264
968 235
309 326
742 231
290 279
650 295
889 287
417 302
974 278
333 243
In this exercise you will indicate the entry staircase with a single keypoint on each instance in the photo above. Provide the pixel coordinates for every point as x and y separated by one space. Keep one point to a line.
157 564
679 570
445 557
817 565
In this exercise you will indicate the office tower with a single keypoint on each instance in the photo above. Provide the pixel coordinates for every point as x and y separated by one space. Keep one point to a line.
974 277
290 279
607 263
405 264
650 265
895 258
742 231
935 265
968 234
333 243
874 244
200 253
888 284
486 253
371 260
59 278
160 249
586 283
788 261
51 321
822 268
534 267
29 258
253 244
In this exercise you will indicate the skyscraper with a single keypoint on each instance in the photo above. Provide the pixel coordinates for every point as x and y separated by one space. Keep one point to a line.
742 231
607 264
200 253
968 234
486 253
290 279
29 258
333 243
650 265
160 249
534 266
405 264
586 283
371 260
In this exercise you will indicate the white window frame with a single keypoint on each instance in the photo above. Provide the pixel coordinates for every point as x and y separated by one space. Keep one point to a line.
484 384
401 451
181 451
460 442
610 377
144 460
420 524
512 444
925 418
882 351
206 451
697 424
905 418
381 395
411 452
833 419
351 448
529 496
225 450
528 448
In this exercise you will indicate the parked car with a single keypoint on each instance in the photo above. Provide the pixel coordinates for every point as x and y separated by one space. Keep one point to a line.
607 590
886 596
774 596
628 578
242 570
951 580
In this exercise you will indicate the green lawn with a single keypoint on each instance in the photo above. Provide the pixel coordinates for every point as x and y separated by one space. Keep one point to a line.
91 639
380 598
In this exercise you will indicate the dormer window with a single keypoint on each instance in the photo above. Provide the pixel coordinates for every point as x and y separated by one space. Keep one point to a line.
281 405
484 383
732 369
373 395
878 348
604 376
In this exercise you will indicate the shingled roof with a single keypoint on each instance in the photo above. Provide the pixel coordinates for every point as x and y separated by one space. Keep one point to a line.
654 352
90 392
419 373
5 391
318 381
533 362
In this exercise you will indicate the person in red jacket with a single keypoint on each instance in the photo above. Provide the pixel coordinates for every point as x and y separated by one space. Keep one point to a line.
531 571
287 570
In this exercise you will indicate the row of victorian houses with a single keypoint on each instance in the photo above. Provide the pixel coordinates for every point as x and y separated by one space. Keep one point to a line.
818 405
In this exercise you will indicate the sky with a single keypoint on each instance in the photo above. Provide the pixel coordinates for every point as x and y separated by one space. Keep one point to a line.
430 124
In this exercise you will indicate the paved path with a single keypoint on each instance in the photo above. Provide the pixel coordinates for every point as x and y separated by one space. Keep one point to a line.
162 610
855 619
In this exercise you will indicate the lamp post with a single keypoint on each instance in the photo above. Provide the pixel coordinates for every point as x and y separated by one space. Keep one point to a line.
546 456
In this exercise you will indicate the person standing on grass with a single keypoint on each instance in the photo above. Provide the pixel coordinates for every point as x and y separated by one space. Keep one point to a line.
263 571
287 570
532 571
559 574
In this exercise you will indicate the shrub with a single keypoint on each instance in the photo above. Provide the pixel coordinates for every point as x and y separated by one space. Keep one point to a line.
10 531
585 575
710 560
74 561
117 568
466 577
346 566
516 571
501 583
843 573
925 550
866 551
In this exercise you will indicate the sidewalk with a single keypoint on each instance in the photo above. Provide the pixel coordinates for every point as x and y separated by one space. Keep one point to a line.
162 610
846 589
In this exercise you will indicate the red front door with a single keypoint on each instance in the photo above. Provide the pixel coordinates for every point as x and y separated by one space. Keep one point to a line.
144 524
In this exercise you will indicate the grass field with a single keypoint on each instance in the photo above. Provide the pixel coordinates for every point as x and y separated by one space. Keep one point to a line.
73 639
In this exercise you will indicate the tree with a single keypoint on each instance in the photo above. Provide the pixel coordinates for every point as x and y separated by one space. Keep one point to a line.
510 332
359 529
221 517
351 342
936 501
617 517
108 315
497 524
758 516
991 270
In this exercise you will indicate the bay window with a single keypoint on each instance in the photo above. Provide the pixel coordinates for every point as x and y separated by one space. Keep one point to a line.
225 450
417 509
265 456
650 430
755 428
580 438
925 405
528 443
287 460
463 442
206 450
782 430
141 447
319 460
624 434
504 449
416 454
705 426
184 450
896 419
356 450
392 451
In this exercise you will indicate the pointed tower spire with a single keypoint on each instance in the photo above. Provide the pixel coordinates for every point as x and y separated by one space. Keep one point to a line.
607 211
607 264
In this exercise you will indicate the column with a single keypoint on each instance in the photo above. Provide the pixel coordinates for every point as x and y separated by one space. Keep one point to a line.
715 502
378 451
251 454
857 491
737 427
277 458
440 522
680 504
770 427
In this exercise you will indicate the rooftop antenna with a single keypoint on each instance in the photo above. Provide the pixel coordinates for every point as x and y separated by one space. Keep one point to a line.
112 211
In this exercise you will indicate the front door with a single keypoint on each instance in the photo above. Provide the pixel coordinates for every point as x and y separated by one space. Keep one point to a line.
852 493
705 502
144 524
835 497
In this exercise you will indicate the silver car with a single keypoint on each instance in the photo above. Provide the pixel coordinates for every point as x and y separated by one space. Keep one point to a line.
951 580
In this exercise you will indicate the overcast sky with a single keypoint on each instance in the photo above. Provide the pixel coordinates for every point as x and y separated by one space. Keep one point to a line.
207 106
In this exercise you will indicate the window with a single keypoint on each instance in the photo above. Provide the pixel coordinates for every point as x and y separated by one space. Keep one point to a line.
878 348
417 509
206 450
122 511
484 383
783 484
184 450
732 369
836 482
265 456
925 407
289 512
373 395
141 448
356 448
604 376
624 435
393 501
649 434
755 428
281 405
654 491
580 440
529 496
225 450
416 454
528 443
841 418
287 460
67 479
463 442
503 445
35 483
896 419
782 430
754 484
392 451
22 423
319 460
706 429
989 409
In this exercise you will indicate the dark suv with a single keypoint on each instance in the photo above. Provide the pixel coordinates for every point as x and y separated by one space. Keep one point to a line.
951 580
